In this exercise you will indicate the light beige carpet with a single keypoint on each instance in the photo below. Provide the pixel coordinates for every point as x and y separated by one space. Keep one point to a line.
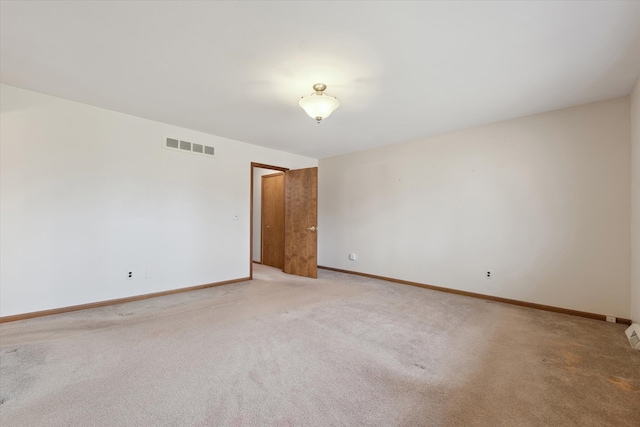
341 350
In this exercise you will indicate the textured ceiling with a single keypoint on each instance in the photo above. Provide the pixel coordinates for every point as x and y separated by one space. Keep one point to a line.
401 70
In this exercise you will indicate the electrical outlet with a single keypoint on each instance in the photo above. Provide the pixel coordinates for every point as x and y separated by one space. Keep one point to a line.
130 275
611 319
488 275
353 257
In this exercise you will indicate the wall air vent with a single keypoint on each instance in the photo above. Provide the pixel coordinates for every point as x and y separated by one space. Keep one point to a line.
186 146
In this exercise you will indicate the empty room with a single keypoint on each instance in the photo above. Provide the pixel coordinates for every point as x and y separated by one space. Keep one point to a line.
345 213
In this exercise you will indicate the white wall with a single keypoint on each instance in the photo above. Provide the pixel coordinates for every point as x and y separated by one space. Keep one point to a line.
635 209
541 201
89 194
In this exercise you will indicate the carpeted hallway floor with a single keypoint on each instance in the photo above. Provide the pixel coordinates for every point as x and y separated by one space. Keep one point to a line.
341 350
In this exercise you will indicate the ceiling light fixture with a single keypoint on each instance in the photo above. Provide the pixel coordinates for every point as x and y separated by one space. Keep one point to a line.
319 105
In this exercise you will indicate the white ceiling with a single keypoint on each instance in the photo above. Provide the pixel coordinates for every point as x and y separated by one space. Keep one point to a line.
402 70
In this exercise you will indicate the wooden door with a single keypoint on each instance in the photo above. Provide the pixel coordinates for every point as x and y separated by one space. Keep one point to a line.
301 222
272 220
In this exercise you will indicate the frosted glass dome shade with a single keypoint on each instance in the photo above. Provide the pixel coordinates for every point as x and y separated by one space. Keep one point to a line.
319 105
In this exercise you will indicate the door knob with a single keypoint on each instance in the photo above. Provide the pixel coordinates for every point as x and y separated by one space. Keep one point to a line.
312 228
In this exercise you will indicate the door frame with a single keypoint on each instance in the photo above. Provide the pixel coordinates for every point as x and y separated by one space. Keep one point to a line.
251 230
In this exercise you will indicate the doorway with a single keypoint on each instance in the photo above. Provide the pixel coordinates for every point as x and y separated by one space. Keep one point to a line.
258 170
300 218
272 220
